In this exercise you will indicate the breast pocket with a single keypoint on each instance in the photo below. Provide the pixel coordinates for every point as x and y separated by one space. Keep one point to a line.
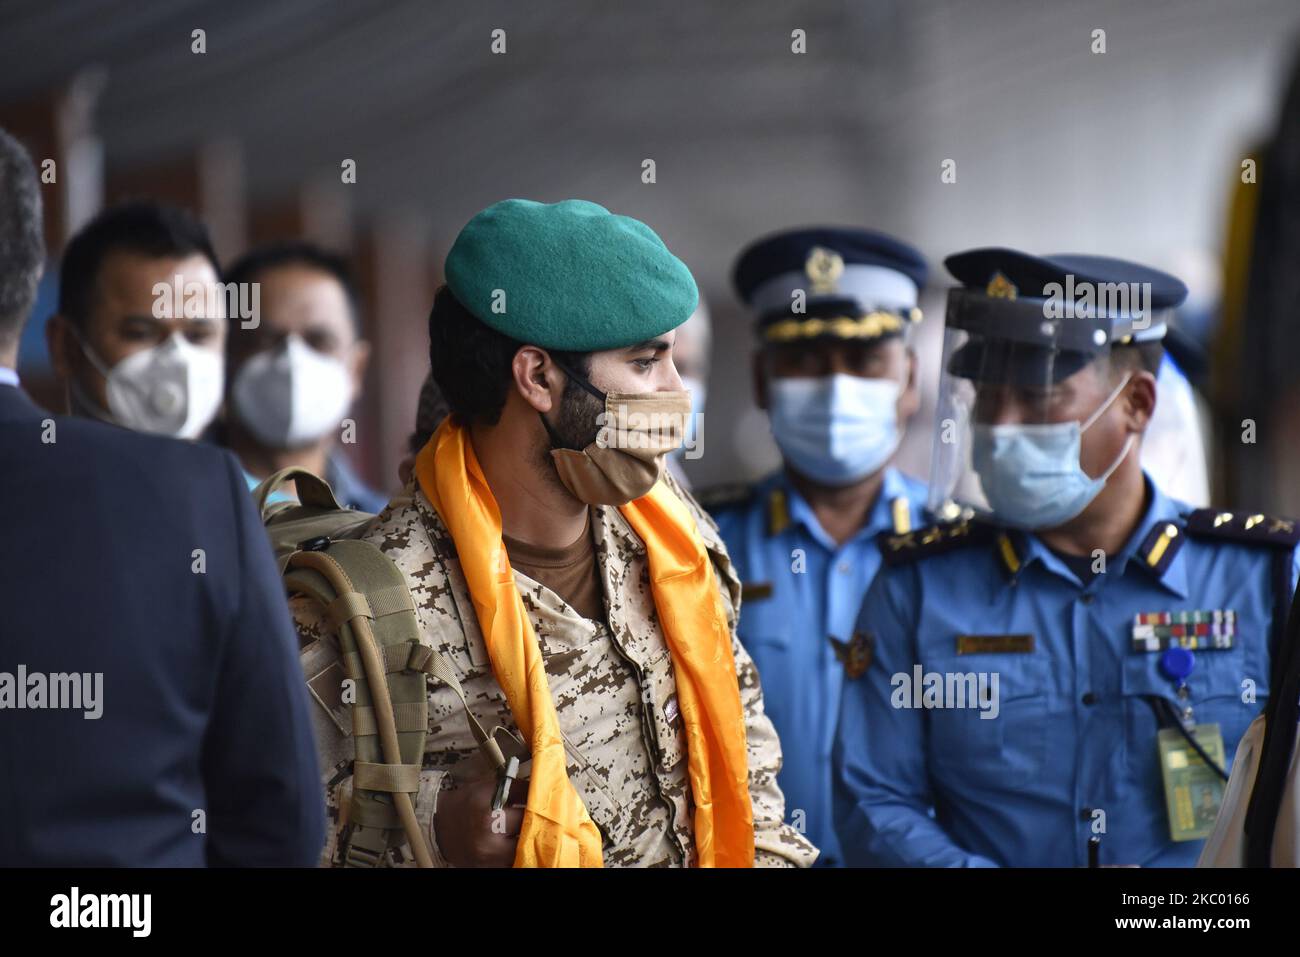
594 787
1214 693
999 740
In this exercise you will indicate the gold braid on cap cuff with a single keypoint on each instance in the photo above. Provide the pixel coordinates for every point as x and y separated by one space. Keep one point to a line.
870 326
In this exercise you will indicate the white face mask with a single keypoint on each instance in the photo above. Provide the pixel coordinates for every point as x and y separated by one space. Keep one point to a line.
172 389
835 429
292 396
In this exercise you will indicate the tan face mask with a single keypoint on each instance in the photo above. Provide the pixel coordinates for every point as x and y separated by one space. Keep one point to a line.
637 430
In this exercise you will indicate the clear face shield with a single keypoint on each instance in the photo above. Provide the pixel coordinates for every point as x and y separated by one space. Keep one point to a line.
1019 386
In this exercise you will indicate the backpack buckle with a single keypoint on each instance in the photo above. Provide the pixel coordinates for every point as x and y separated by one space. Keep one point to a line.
317 544
505 779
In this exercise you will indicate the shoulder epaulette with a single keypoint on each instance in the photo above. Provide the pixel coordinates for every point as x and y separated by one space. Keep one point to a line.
1249 528
725 496
933 540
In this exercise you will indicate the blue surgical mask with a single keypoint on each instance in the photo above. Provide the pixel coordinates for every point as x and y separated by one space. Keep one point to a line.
1031 474
835 429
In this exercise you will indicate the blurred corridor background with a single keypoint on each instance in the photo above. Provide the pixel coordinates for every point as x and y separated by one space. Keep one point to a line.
1135 152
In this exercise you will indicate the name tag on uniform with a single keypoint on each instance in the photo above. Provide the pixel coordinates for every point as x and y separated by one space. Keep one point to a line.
755 591
995 644
1159 630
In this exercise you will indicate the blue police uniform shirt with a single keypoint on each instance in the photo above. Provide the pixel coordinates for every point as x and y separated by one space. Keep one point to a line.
800 590
1075 733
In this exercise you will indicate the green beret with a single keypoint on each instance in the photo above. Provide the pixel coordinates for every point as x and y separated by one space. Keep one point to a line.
571 276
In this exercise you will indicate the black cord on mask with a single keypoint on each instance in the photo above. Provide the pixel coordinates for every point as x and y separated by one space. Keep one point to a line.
580 379
557 441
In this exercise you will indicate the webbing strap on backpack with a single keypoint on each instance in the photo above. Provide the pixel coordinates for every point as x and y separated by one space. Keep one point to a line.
312 489
366 597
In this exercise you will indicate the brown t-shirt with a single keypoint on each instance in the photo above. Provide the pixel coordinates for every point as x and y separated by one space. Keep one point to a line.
569 571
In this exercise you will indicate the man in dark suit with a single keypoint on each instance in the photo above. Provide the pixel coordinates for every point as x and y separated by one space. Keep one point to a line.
152 710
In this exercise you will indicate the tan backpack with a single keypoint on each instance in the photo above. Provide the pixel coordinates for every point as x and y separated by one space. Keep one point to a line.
320 553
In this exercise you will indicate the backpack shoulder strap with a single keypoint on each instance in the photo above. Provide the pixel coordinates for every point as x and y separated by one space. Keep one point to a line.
366 598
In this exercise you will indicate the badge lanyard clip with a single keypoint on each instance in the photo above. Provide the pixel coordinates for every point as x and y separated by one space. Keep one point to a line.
1176 664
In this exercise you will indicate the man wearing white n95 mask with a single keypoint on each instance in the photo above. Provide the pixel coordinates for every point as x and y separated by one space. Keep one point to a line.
296 373
139 336
838 380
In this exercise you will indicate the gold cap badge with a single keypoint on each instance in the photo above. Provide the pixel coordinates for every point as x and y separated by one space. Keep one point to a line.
1000 287
824 268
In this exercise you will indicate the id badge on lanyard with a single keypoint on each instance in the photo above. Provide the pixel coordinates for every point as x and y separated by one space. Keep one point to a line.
1193 787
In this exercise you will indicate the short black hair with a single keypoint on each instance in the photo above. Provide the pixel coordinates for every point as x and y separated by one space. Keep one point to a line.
263 259
471 360
22 238
429 413
143 227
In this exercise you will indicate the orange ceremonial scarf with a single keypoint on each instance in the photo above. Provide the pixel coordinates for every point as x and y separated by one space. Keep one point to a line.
557 830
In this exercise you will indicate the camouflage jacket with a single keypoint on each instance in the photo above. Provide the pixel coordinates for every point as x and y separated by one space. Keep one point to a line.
612 683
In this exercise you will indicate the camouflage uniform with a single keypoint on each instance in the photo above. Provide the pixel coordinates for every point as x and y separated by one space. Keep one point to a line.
613 687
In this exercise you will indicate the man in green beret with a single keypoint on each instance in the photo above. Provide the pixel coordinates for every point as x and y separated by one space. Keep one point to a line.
584 600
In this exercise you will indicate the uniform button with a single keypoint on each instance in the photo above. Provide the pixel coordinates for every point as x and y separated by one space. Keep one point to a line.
844 568
1087 598
1085 814
1089 698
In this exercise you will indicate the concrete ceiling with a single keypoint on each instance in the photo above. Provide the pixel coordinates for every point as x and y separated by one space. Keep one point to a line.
746 136
1133 152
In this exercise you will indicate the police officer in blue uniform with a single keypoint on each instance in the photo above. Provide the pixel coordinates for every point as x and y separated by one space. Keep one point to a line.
1060 675
836 376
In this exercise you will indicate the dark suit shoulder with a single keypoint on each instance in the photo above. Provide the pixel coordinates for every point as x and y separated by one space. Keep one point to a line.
82 445
168 459
78 467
